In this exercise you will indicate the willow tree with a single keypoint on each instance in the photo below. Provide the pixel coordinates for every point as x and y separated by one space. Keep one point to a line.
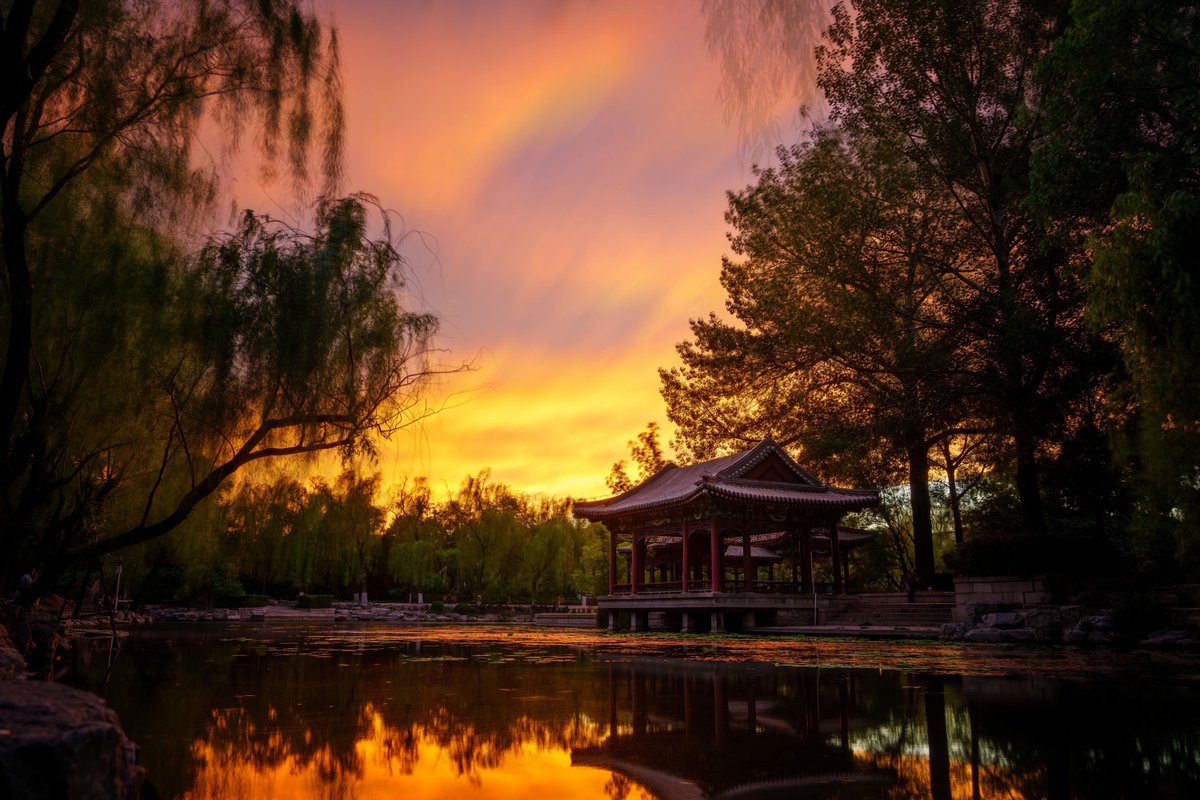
267 343
845 342
98 111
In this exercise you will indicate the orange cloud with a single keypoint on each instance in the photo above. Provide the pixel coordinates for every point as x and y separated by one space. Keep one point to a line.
570 163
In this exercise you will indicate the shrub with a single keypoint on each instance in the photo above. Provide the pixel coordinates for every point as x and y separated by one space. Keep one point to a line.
227 592
1025 555
464 608
1136 614
437 607
314 601
253 601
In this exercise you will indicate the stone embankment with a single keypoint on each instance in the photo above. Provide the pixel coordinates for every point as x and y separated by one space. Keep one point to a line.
339 612
1058 624
56 742
1022 610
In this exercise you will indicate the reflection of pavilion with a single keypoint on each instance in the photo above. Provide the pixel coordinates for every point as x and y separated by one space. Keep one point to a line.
711 733
756 515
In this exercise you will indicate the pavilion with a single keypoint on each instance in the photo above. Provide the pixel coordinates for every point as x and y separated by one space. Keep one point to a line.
757 515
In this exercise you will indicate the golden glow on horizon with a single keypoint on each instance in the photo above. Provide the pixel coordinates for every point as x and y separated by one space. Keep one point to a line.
387 763
569 163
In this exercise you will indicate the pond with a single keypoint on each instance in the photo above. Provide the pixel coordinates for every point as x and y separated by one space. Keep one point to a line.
304 711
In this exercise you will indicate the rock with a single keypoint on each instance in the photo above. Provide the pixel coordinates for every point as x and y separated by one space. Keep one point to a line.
976 611
955 631
12 664
1075 635
1096 622
1046 624
1003 619
1170 640
33 635
1070 614
1086 632
59 742
1015 635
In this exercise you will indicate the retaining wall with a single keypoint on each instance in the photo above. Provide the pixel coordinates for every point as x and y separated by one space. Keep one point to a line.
1001 590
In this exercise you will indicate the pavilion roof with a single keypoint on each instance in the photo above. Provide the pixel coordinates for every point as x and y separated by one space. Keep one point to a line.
734 477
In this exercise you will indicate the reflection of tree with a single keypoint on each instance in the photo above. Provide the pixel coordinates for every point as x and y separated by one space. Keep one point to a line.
339 714
618 787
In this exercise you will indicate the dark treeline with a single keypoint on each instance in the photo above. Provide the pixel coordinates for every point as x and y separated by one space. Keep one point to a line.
977 279
485 543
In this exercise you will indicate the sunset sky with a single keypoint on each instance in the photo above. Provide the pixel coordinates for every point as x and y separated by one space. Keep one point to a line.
567 163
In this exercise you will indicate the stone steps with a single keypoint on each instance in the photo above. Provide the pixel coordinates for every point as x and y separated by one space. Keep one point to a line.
923 614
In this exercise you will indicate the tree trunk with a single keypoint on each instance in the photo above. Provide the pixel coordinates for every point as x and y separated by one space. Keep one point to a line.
922 518
20 329
1028 491
937 739
952 488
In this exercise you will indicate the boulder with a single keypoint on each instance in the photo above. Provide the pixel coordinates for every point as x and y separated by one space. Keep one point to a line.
977 611
12 664
985 635
1170 640
1047 624
955 631
63 743
1003 619
1096 622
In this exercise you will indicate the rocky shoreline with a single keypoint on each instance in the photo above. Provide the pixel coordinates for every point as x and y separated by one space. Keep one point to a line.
57 742
1061 624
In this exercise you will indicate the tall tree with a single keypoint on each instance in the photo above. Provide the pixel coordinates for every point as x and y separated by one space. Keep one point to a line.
846 331
1120 176
954 81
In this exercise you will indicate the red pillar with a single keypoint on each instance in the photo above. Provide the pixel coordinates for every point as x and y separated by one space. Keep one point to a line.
612 561
685 555
717 556
635 565
835 553
747 562
795 563
806 576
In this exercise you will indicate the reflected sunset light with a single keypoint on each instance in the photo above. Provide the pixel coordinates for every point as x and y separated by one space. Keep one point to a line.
241 760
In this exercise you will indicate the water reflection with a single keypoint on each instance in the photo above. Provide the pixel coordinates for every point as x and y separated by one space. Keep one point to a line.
256 715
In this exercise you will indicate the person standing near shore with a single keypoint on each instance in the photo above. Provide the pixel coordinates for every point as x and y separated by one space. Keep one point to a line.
26 584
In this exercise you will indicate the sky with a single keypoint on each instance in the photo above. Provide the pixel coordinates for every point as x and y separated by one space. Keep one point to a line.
562 168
